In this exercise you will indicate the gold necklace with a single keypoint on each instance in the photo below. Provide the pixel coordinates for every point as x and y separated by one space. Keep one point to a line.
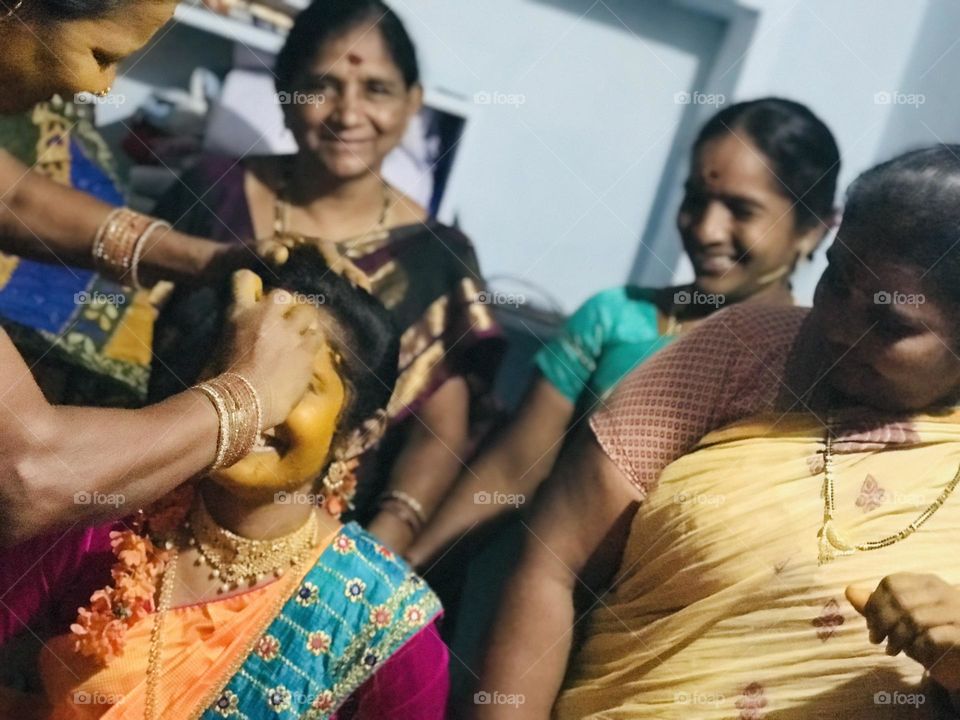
234 559
154 661
281 215
832 544
673 326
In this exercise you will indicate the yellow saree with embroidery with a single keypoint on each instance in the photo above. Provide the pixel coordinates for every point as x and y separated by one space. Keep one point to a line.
721 609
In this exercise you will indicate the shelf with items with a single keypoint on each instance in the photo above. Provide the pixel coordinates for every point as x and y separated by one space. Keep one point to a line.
239 31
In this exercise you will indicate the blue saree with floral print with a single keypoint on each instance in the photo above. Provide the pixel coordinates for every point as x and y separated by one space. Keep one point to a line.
356 608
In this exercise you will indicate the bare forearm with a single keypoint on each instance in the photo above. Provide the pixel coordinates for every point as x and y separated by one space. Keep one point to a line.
42 219
482 493
505 476
80 465
430 461
578 527
425 470
530 644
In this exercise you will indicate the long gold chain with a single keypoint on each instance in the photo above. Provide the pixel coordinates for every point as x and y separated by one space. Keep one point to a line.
154 660
832 544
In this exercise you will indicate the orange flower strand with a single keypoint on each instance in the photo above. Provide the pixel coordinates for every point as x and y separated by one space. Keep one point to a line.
101 630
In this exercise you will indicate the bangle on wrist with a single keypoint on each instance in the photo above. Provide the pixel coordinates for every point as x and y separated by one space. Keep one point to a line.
404 499
402 512
119 244
241 417
406 507
140 247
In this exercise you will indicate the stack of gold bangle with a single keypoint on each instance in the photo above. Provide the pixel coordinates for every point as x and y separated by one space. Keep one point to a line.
120 242
406 508
241 416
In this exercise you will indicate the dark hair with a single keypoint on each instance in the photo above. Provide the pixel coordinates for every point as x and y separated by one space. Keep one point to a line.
365 335
909 209
325 20
800 148
188 331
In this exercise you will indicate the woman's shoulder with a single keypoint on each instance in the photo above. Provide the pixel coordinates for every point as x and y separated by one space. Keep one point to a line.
760 319
628 298
357 546
406 210
211 168
435 235
626 309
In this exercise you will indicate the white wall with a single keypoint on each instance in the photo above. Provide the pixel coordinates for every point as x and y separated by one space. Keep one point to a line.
557 191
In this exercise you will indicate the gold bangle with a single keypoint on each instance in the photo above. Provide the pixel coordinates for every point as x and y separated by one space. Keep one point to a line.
241 417
248 412
223 432
116 242
138 250
98 250
402 512
407 500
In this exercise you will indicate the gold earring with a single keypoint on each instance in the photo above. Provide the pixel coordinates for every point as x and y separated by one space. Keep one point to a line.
103 93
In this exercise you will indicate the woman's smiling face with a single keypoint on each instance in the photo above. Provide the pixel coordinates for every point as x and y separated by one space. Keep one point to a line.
294 453
40 59
350 106
737 223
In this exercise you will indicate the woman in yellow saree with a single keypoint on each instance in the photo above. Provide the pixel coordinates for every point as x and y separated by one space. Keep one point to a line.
244 596
721 598
747 479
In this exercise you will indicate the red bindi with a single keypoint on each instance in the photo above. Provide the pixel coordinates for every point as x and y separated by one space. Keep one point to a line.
354 59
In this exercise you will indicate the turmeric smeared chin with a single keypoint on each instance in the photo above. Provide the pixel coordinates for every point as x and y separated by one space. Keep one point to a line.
263 474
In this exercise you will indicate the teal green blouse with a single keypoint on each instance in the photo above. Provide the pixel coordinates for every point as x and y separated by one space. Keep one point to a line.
601 343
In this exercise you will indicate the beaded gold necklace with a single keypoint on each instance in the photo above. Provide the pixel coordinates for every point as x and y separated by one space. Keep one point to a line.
234 559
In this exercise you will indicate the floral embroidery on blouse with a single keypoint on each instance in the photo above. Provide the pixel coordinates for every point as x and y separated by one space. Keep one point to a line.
414 616
323 702
308 594
268 647
278 699
318 642
381 617
227 704
344 544
355 589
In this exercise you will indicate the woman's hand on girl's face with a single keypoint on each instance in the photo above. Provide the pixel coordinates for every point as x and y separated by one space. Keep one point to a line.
274 342
918 615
